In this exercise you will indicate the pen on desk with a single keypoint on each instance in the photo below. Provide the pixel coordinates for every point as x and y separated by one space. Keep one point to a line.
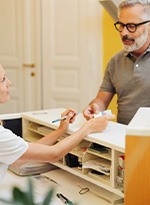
64 199
61 118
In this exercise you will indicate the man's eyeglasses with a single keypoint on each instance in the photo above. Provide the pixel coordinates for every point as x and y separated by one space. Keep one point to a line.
131 27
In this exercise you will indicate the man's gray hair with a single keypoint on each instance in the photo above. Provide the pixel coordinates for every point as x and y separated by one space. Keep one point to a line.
145 15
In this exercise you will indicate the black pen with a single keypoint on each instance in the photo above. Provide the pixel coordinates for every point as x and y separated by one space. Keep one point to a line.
64 199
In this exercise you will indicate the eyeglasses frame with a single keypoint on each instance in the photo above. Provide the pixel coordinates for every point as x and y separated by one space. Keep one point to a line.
126 25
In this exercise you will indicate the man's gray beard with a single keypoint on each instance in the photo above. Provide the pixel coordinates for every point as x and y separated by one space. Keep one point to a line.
139 42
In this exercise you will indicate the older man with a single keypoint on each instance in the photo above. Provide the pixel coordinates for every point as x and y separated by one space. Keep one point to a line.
128 72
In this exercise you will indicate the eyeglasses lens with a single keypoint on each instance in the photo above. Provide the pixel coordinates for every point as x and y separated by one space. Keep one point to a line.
120 26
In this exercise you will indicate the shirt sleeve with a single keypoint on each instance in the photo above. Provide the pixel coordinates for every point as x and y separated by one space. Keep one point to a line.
11 146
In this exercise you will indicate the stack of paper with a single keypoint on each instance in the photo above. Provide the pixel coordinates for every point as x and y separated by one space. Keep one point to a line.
101 165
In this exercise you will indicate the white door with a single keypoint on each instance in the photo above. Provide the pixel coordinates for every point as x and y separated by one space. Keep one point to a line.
19 21
71 41
71 53
11 51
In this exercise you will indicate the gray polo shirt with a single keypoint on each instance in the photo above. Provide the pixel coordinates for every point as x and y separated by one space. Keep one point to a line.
129 78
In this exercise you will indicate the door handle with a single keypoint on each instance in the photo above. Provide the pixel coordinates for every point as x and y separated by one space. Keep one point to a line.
32 65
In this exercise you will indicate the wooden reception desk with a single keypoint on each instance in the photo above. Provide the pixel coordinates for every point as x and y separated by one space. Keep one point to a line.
137 159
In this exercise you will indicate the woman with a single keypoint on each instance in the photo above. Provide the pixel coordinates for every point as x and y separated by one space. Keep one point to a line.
14 149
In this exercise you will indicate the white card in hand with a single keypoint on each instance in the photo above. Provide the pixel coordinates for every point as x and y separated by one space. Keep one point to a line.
106 112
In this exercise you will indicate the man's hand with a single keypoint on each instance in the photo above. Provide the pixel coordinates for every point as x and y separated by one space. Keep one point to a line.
90 110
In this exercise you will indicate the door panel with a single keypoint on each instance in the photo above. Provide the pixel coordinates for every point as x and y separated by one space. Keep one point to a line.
11 51
71 52
20 45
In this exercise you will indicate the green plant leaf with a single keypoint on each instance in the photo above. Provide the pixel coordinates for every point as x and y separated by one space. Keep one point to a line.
29 193
19 196
48 197
23 198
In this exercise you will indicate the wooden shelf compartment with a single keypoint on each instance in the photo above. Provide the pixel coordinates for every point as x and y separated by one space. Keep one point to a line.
115 164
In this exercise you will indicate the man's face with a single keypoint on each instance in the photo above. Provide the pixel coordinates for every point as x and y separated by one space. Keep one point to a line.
140 38
137 42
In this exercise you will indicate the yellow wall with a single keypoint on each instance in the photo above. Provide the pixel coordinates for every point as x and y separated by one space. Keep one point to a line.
111 45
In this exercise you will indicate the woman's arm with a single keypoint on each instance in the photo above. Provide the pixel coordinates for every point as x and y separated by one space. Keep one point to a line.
43 153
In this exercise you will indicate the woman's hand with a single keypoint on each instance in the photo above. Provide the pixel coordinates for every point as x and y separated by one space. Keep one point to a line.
98 124
70 114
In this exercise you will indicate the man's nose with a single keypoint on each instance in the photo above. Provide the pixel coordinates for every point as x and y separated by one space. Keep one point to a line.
124 31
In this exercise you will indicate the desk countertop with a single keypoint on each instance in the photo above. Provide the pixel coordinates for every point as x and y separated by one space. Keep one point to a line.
113 136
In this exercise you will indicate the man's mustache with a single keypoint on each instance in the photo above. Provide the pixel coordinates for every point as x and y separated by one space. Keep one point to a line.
127 38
